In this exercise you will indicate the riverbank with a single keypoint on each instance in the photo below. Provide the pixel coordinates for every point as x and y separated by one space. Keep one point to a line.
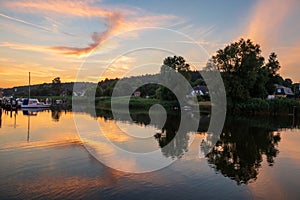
254 106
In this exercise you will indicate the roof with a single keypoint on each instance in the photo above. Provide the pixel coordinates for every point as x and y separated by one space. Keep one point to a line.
203 88
283 90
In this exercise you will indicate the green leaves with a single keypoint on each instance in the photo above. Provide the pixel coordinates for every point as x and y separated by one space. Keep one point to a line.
243 71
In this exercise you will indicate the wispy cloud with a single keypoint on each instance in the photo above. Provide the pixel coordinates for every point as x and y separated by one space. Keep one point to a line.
267 27
25 22
116 21
28 47
267 19
7 60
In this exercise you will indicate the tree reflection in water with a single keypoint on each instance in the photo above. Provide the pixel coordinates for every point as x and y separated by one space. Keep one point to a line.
238 153
55 114
171 146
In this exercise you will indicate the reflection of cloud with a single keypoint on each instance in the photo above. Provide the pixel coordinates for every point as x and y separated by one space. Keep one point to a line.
62 187
42 144
116 21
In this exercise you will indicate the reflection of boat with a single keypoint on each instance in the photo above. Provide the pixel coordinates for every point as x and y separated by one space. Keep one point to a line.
32 111
34 103
187 108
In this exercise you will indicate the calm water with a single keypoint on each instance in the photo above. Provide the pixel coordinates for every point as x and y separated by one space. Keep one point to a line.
42 157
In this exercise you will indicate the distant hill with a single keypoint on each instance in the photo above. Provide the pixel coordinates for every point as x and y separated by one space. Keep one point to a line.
45 89
105 87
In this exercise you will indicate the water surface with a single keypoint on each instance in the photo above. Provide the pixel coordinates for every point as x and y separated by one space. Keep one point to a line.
42 156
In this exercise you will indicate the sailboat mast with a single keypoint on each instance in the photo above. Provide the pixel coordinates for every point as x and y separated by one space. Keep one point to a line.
29 87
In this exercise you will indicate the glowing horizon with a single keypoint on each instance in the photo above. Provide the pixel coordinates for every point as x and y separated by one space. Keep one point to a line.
53 39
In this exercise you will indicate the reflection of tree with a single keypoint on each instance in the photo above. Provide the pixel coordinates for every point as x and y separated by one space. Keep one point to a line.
238 152
55 114
174 141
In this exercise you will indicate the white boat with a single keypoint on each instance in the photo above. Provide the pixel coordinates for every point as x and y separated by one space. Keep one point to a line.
34 103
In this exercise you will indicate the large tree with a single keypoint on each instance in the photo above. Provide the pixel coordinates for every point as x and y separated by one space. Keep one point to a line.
56 86
273 66
178 64
242 67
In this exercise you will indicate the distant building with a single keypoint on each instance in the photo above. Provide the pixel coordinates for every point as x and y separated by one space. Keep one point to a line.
282 91
200 90
137 94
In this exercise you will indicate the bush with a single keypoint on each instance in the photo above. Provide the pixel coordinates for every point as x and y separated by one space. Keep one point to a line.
273 106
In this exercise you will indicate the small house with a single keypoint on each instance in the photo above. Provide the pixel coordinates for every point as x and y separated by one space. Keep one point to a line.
200 90
137 93
282 91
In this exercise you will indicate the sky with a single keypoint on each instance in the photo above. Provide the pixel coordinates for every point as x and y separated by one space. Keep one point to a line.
92 40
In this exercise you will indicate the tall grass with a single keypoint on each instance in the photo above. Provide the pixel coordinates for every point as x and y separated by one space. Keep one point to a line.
273 106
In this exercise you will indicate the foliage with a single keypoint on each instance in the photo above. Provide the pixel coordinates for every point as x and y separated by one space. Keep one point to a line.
56 86
244 74
134 103
272 106
240 63
238 153
171 64
273 66
288 83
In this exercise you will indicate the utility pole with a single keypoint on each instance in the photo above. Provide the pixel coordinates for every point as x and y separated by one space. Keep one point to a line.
29 87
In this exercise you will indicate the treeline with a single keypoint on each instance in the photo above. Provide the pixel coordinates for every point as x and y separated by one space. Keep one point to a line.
247 74
148 89
56 88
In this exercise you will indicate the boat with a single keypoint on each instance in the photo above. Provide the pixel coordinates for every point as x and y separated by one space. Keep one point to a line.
34 103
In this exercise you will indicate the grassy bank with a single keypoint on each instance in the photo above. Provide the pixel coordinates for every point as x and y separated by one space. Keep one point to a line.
254 106
135 103
280 106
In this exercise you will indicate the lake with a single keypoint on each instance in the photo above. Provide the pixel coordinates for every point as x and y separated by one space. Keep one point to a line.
43 157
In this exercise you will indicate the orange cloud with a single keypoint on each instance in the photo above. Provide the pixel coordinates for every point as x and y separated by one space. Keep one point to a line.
289 60
114 24
65 8
266 27
116 20
266 20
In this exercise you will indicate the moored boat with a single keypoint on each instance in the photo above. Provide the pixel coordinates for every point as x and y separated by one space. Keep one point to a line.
34 103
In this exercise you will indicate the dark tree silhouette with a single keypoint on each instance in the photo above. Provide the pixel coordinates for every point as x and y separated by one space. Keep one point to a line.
238 152
56 86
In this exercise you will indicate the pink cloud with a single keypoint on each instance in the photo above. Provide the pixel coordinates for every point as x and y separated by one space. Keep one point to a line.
116 21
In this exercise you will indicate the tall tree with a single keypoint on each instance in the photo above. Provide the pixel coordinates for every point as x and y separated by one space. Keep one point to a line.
273 66
288 82
56 86
178 64
240 64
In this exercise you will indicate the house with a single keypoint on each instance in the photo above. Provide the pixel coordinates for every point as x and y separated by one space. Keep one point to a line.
282 91
200 90
137 93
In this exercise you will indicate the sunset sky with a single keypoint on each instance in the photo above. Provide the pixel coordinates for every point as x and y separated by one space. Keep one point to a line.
54 38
